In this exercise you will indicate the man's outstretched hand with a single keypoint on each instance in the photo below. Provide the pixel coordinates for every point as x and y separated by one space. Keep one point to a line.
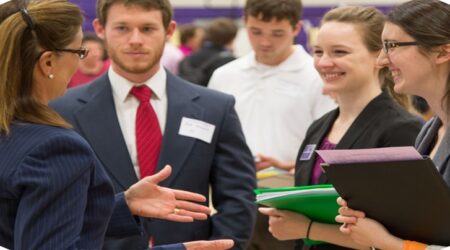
146 199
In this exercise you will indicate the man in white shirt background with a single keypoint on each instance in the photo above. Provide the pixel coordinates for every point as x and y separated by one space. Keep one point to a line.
278 92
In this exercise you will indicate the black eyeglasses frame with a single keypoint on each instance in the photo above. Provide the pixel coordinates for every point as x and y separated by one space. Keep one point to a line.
387 45
81 52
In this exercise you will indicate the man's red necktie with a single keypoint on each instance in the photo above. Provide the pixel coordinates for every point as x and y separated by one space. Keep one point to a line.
148 132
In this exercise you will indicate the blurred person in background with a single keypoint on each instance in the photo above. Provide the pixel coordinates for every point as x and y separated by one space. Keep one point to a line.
191 38
171 57
215 52
94 65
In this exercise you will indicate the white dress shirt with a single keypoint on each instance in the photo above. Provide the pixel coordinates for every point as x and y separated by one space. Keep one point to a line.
126 106
276 104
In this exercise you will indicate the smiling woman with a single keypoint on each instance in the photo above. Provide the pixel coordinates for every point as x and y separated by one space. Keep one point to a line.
345 55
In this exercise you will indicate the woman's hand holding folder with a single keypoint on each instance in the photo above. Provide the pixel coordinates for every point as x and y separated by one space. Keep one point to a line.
365 231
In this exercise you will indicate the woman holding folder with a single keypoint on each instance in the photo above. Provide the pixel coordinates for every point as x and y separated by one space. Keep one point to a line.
345 55
416 41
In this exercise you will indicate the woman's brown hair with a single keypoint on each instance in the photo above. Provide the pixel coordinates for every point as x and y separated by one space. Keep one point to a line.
26 31
428 22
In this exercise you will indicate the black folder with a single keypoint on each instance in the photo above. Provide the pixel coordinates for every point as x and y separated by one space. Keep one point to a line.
409 198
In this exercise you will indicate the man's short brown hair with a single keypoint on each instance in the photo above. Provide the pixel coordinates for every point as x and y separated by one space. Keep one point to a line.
164 6
221 31
266 10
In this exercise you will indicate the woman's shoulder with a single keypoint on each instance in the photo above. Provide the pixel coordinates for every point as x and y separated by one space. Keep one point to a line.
398 116
34 135
31 146
391 114
41 131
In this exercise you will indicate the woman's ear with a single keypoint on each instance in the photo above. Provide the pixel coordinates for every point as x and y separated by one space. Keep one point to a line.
444 54
46 64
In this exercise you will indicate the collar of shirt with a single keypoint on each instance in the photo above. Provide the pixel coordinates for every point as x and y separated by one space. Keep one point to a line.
121 87
293 63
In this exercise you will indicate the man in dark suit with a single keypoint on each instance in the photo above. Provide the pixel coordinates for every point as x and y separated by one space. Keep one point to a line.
199 132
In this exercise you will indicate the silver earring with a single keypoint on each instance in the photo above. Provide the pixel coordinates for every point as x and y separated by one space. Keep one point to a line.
51 76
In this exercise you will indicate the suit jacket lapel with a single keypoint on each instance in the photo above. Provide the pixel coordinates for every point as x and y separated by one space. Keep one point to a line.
443 152
360 125
427 136
307 167
176 148
363 121
99 124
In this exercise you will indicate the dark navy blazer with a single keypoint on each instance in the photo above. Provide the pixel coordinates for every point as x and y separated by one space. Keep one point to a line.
225 165
53 192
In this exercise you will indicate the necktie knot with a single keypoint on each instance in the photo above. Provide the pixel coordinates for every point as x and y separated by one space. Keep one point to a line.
142 93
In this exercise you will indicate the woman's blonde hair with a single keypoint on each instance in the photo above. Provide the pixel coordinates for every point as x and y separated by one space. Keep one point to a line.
27 31
369 21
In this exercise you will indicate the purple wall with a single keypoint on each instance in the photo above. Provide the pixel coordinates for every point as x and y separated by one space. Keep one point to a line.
188 15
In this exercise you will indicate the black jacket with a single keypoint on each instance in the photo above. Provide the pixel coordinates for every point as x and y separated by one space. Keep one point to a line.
382 123
200 65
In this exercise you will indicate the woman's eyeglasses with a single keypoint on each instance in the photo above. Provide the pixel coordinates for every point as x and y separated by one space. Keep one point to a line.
387 45
81 52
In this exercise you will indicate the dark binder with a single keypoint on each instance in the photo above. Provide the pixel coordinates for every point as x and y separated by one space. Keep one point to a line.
409 197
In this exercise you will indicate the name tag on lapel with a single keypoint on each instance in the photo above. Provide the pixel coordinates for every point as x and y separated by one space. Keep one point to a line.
307 152
197 129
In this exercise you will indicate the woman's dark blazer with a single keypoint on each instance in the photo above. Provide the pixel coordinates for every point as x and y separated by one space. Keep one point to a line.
427 139
54 194
382 123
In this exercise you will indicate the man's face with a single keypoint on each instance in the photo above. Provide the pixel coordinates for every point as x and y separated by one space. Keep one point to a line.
134 39
272 41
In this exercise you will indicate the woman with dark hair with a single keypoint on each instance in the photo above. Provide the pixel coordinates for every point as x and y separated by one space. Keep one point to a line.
416 40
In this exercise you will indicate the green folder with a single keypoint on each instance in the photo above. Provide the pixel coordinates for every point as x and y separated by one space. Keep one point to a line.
317 202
